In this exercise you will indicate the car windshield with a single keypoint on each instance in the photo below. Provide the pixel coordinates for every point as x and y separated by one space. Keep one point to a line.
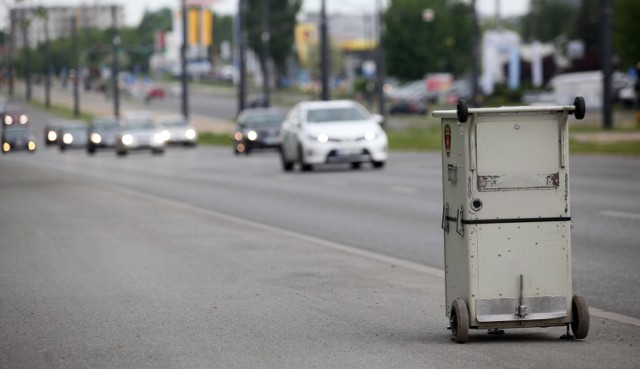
105 123
75 130
264 120
174 123
13 133
138 124
335 115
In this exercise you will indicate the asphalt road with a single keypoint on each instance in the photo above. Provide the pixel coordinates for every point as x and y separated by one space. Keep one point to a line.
99 253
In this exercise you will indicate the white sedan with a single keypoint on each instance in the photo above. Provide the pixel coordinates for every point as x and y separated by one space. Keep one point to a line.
139 133
328 132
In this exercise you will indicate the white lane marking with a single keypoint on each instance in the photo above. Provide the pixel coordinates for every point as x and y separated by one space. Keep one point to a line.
620 214
435 272
336 182
404 190
613 316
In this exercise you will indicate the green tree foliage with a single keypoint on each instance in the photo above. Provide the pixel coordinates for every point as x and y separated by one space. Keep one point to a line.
586 25
415 47
282 20
222 29
548 20
626 31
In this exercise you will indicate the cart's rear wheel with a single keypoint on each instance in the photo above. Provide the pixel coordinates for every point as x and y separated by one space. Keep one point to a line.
581 107
462 111
459 321
580 317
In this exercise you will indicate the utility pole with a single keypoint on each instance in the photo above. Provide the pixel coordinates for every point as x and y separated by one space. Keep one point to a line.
607 112
25 51
241 57
183 61
380 66
183 58
115 67
76 61
47 78
266 37
324 51
474 55
12 47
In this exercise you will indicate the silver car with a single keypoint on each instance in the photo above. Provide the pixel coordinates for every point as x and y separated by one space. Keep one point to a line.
139 133
177 130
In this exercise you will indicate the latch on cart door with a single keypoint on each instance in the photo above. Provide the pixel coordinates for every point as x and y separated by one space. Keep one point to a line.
445 217
459 226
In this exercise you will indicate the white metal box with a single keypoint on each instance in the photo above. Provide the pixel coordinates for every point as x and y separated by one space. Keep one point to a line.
507 215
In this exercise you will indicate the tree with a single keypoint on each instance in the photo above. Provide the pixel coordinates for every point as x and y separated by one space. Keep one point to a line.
282 20
626 30
415 47
547 20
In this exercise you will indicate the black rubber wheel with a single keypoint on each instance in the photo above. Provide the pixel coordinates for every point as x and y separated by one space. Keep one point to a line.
287 166
356 165
462 110
121 152
378 164
580 317
303 165
580 107
459 321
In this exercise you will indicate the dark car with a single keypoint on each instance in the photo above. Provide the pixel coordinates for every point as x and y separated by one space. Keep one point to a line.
258 128
51 131
14 115
102 134
73 135
408 106
15 138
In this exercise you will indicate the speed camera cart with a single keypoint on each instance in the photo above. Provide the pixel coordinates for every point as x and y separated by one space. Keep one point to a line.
507 219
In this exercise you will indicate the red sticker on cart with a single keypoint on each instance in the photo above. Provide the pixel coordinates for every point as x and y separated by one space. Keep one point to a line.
447 140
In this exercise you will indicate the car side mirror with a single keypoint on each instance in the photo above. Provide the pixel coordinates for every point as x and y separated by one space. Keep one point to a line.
378 118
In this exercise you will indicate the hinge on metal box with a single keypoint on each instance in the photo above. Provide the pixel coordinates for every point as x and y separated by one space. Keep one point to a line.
521 309
459 226
445 217
453 173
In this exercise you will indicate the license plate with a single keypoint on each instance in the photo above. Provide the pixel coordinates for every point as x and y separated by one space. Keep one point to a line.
348 152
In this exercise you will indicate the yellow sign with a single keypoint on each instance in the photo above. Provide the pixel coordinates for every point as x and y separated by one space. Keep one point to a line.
305 34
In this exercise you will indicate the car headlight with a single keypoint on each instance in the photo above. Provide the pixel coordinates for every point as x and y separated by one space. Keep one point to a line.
52 136
165 135
24 119
238 136
190 134
252 135
127 139
160 137
95 138
6 147
8 120
67 138
369 136
322 138
31 145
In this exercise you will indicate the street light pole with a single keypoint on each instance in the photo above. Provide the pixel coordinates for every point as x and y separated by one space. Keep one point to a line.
380 69
607 112
25 51
76 61
241 57
183 58
114 63
474 55
324 51
266 36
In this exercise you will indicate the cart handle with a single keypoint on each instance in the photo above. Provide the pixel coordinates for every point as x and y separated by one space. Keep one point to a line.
462 112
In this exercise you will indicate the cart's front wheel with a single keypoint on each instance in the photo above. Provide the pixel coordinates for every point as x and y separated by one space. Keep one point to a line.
580 317
580 107
459 321
462 111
